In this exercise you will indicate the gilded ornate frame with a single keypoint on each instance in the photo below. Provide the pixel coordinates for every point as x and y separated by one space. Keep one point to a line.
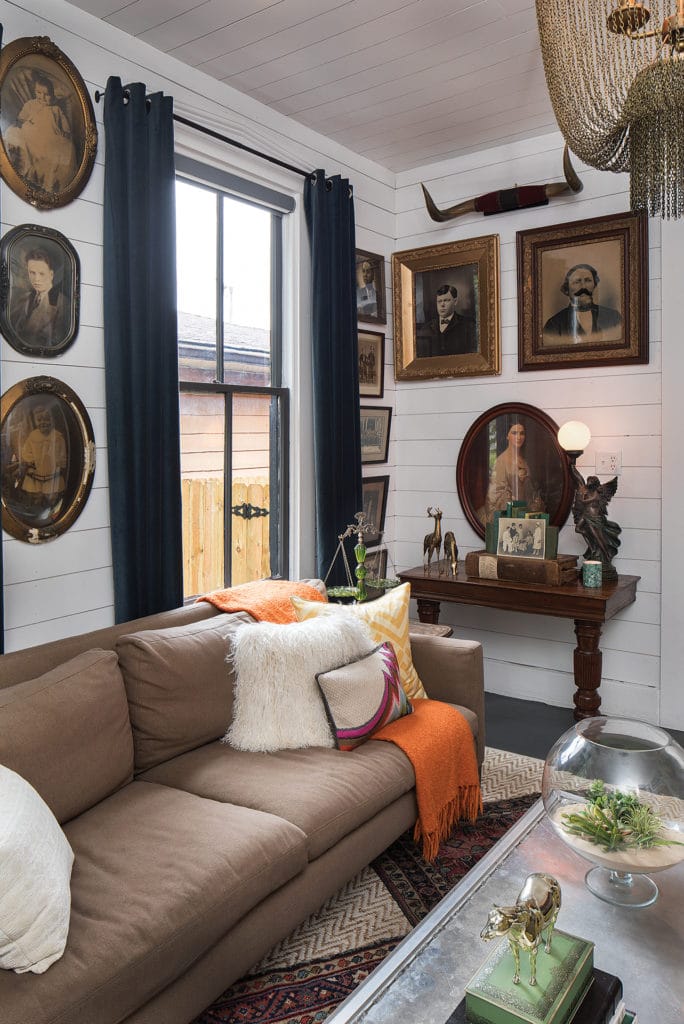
470 261
20 62
22 516
582 242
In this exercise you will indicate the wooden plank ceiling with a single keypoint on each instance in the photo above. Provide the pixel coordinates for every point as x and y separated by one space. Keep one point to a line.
402 82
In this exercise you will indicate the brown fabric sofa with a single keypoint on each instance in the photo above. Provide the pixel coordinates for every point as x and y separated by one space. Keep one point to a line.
192 859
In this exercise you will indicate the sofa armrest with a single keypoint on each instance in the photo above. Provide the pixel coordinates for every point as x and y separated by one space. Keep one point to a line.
452 670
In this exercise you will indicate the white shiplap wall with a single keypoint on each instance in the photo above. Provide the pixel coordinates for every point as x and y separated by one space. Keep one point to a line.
531 656
65 586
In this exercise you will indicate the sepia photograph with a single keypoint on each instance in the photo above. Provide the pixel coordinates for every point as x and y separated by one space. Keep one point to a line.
582 293
371 364
376 564
47 454
375 431
370 287
446 310
525 538
511 453
374 489
47 124
40 297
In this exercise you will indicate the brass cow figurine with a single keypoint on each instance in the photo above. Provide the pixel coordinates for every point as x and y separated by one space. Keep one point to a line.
534 913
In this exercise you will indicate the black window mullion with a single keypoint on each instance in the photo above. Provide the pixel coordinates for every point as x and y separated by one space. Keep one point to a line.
220 373
276 301
228 490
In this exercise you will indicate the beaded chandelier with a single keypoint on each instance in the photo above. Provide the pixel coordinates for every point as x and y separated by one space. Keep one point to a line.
616 79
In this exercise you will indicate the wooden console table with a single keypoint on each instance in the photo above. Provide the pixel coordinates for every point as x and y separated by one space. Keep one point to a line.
589 609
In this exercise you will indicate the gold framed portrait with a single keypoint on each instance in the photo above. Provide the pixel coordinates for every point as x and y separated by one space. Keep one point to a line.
446 310
583 293
48 135
47 455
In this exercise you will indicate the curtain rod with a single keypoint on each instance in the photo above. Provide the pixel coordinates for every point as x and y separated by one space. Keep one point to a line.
229 141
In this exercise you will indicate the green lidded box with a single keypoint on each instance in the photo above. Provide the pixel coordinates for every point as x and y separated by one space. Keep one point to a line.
563 977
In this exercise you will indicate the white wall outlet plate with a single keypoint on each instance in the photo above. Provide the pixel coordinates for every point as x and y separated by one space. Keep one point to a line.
608 463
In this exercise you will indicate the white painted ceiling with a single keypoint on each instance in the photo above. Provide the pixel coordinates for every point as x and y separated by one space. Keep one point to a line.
402 82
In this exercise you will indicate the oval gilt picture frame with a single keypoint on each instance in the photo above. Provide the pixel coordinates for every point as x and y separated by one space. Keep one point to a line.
40 281
48 135
512 452
47 455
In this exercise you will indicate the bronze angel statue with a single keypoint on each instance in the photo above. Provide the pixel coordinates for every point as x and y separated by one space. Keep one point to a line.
591 522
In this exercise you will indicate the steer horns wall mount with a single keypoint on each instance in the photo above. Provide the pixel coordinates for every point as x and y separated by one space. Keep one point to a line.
516 198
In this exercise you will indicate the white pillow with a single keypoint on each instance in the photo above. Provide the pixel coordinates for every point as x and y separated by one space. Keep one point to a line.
277 702
35 871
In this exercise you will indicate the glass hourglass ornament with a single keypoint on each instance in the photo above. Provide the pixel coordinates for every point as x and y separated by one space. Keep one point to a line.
613 789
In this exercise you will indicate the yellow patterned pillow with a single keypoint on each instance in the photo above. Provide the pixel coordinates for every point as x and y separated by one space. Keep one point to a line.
387 618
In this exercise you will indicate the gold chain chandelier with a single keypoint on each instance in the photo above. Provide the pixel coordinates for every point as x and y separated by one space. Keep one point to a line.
616 80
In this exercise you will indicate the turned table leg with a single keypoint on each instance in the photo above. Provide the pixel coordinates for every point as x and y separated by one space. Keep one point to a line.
587 665
428 611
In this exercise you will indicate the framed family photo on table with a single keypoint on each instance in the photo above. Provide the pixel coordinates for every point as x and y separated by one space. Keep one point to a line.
48 135
511 454
446 310
583 293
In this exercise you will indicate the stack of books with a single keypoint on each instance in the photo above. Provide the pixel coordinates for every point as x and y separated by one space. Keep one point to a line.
569 989
552 572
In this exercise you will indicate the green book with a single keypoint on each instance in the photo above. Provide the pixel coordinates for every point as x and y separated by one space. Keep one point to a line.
551 544
563 979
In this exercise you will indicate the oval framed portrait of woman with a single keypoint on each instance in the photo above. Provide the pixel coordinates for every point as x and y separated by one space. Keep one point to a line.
47 455
511 453
39 291
48 135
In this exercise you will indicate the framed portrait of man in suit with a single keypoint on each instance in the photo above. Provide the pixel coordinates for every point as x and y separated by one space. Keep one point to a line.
583 293
40 294
370 287
446 310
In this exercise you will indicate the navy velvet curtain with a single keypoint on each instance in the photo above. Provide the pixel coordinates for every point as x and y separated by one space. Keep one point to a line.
2 584
141 354
337 443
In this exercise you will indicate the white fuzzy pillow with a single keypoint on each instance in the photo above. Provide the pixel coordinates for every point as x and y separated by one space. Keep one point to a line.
35 872
277 702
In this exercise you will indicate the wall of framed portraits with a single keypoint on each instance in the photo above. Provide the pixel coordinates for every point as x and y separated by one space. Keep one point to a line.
529 656
64 586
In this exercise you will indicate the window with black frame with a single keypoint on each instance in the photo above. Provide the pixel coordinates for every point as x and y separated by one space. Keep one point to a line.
234 410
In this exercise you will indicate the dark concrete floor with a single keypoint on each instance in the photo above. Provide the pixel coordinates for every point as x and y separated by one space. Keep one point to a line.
528 727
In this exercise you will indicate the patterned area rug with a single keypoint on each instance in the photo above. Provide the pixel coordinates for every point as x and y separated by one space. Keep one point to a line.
309 973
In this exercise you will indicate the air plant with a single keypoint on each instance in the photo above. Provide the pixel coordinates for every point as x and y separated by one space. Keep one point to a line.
616 821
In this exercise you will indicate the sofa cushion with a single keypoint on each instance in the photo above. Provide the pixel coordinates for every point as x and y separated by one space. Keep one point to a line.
277 702
388 619
327 793
362 696
180 690
36 860
68 732
159 877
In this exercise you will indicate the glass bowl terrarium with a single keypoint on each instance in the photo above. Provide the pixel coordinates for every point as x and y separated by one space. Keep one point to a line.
613 789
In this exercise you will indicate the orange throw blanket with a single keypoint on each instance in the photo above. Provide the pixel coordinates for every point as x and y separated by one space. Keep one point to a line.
437 740
265 600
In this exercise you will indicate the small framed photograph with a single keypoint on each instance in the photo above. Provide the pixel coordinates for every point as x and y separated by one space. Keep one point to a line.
48 135
446 310
375 431
583 293
39 291
47 455
511 453
374 490
370 287
525 538
371 364
376 564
